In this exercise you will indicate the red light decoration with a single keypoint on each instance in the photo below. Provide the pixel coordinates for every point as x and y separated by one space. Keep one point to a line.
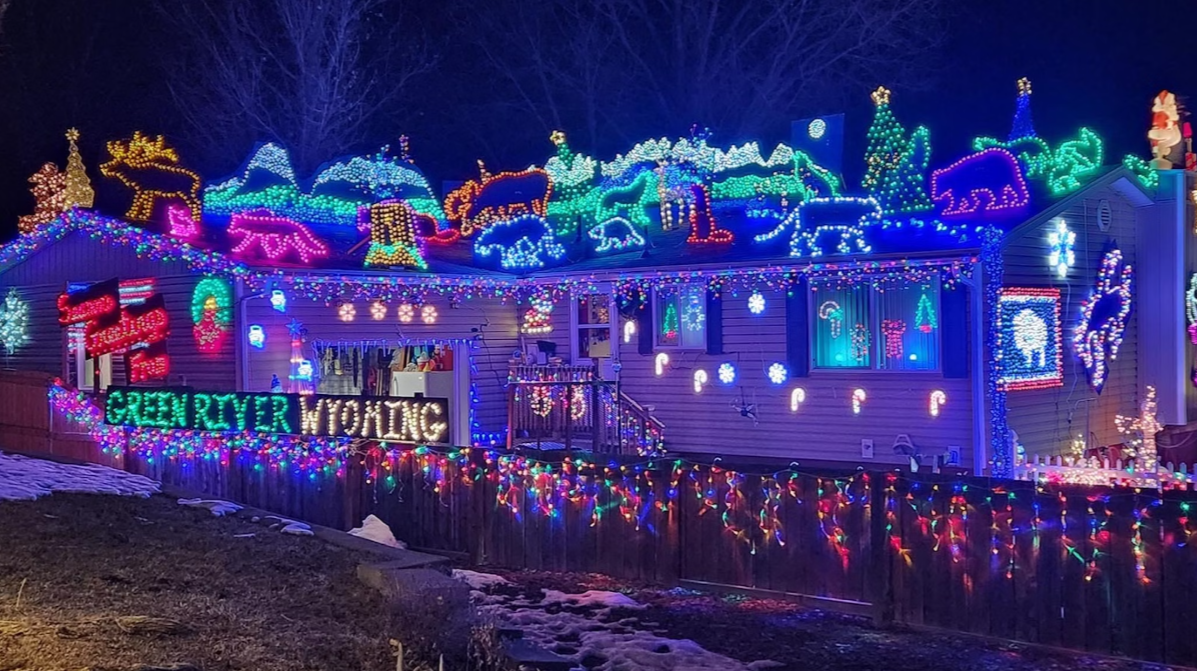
703 227
145 323
151 363
479 203
86 311
49 190
261 234
986 181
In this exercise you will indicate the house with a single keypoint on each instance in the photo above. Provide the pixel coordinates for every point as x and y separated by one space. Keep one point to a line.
730 302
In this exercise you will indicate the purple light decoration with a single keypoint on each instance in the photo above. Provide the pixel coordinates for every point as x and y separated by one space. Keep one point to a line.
274 237
984 182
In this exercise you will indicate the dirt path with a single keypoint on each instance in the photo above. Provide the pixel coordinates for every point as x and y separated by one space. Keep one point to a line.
247 598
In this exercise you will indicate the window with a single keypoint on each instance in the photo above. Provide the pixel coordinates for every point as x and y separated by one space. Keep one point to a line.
593 326
876 327
680 318
81 370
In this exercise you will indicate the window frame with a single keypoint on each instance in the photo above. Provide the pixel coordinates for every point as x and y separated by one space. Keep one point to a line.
876 344
685 288
612 326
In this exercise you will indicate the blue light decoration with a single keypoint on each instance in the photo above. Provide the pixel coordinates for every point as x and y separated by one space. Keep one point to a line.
1030 350
1000 446
778 373
843 218
756 303
727 372
524 243
257 336
278 300
615 235
1060 242
1098 335
1023 125
986 182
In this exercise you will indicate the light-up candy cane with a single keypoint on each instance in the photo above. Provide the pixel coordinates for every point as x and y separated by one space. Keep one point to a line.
938 398
831 311
629 330
858 399
700 378
797 398
662 361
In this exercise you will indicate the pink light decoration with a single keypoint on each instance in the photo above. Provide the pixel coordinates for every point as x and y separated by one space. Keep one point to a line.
182 226
986 181
893 329
263 233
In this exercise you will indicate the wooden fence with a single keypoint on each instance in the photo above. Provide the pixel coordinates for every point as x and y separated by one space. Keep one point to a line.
1102 569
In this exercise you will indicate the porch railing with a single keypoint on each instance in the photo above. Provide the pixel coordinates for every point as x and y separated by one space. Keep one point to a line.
568 408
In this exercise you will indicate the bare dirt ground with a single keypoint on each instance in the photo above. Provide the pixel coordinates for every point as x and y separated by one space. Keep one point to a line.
77 572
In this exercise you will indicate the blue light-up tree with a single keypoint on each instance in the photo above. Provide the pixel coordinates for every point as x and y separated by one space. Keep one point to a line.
1023 125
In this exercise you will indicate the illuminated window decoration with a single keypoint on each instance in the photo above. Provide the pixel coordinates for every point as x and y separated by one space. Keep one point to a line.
211 313
151 169
499 198
378 310
1165 134
257 336
797 398
428 314
406 312
260 234
756 303
937 400
278 300
629 330
727 372
537 316
858 399
49 193
892 330
924 316
778 373
895 165
523 243
346 312
392 228
843 219
660 362
816 128
14 322
700 380
1029 350
860 339
1191 307
703 227
616 235
1023 125
834 315
1148 176
181 225
669 323
1104 315
988 181
694 314
1060 242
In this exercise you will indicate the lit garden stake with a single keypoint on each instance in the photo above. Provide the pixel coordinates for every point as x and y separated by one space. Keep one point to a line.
797 398
700 380
629 330
858 399
661 362
938 398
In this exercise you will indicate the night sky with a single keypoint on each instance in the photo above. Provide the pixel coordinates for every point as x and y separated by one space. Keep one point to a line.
102 66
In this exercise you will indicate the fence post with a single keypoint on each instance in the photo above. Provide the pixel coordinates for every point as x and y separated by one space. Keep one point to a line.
881 586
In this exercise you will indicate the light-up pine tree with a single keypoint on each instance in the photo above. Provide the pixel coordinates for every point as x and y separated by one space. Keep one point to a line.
895 165
573 176
669 325
1023 126
78 187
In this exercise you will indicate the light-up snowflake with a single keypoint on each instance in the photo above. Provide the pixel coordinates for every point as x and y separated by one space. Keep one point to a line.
1061 241
778 373
756 303
727 373
1104 314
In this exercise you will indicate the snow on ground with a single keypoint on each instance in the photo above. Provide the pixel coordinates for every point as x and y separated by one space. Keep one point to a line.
25 479
596 625
217 507
374 529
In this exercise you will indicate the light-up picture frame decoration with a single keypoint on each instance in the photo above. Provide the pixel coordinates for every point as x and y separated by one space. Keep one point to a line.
1029 338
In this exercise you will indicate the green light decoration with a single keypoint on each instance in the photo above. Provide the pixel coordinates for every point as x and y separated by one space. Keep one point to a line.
632 201
1147 175
14 322
573 176
896 165
924 316
1062 168
669 325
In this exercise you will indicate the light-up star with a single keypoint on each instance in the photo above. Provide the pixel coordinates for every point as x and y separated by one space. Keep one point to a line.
295 328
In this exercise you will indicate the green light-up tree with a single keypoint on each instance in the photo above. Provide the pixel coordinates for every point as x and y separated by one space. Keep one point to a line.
896 165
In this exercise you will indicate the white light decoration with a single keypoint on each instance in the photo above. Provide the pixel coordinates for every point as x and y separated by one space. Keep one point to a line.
756 303
278 300
797 398
14 322
694 314
700 379
1060 251
406 312
661 362
778 373
428 314
257 336
304 370
346 312
727 373
629 330
816 128
938 398
858 399
378 310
